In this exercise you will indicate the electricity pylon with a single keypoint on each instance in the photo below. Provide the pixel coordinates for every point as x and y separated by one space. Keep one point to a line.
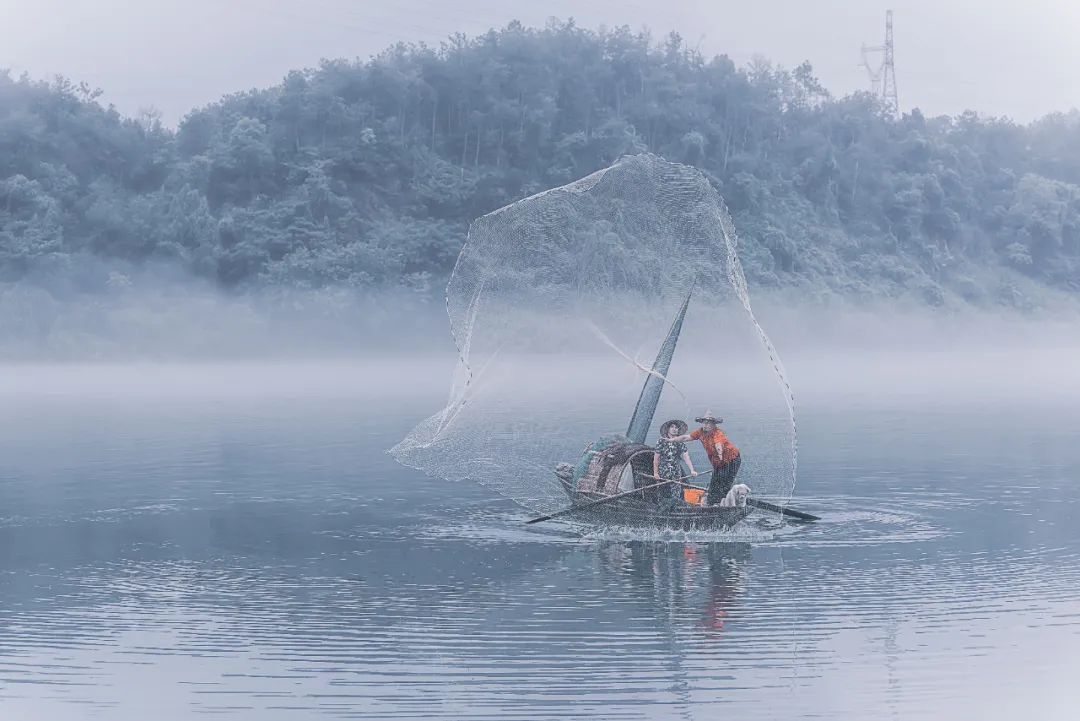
883 72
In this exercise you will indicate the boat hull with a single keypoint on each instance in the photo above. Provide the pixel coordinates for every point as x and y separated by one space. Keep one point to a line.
637 512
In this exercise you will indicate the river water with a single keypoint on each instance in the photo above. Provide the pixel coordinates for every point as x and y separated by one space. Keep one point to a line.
234 541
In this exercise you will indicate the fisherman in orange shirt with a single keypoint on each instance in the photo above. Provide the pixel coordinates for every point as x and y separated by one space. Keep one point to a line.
722 453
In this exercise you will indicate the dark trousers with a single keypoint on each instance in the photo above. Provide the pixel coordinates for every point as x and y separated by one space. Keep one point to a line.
723 478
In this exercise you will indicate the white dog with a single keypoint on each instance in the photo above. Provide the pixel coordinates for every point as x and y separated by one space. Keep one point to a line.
736 496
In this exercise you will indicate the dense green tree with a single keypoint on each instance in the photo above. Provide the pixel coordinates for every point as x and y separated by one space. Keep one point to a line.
368 173
30 222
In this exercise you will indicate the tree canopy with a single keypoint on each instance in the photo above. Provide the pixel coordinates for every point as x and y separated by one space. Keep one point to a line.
367 173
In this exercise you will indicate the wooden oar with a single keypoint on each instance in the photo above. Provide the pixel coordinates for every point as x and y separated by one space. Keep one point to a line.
601 501
790 512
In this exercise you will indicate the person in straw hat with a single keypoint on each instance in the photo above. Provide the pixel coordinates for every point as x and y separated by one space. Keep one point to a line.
723 455
666 463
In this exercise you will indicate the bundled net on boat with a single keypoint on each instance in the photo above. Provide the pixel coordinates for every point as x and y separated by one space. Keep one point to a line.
558 305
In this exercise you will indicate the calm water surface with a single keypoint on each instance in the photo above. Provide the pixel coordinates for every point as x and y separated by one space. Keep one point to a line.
235 542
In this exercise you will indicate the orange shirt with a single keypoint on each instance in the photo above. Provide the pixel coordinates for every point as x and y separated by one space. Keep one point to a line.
711 441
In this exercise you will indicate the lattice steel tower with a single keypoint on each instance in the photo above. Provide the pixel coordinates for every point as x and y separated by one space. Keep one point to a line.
883 72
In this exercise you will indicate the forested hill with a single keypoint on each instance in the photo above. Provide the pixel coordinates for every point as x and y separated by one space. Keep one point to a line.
367 173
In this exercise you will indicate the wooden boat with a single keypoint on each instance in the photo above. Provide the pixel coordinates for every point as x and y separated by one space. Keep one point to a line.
642 511
611 484
615 466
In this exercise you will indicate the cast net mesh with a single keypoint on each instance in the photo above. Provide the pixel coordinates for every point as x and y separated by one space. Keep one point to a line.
558 304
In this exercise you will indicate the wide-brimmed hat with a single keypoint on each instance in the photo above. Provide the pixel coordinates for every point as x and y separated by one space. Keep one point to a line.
680 426
709 418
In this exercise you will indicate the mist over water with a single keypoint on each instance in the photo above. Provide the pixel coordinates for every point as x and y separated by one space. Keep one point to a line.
231 538
163 315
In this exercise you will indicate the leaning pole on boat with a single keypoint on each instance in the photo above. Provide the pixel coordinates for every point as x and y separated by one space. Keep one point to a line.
645 409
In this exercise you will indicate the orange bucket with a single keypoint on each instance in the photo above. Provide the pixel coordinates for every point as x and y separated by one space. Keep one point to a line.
694 496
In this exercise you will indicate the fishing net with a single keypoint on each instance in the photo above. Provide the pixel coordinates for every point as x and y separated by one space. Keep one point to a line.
559 304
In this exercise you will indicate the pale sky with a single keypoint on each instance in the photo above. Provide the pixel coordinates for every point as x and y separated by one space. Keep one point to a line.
1000 57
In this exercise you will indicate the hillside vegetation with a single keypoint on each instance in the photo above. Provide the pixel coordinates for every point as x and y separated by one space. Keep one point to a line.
367 173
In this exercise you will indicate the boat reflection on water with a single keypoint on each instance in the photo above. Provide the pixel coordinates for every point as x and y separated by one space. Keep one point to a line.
725 579
691 587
